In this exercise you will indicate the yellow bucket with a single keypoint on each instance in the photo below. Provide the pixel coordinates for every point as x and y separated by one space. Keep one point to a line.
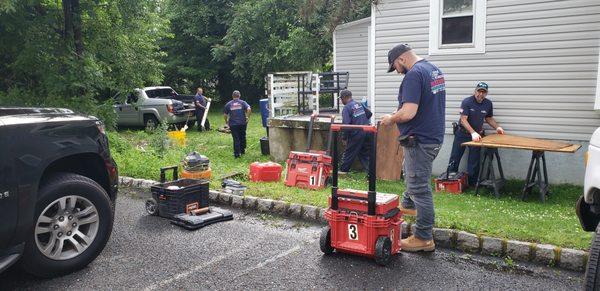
178 137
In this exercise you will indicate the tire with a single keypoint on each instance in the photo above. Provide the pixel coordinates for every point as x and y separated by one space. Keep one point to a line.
150 122
151 207
383 251
87 205
325 241
592 276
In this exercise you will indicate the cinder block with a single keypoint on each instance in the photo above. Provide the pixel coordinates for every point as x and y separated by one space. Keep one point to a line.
295 210
264 205
545 254
467 242
491 246
518 250
572 259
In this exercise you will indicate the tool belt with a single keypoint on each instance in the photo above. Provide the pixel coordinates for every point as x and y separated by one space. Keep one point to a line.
407 141
456 127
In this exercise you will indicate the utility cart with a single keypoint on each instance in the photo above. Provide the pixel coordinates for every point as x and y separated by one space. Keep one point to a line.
364 223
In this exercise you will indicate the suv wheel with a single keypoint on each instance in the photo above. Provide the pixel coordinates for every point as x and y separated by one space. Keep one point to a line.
592 276
73 222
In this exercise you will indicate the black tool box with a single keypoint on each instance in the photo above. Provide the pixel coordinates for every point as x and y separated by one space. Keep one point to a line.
177 196
193 222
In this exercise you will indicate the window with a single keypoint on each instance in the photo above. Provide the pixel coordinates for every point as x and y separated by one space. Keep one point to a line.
457 26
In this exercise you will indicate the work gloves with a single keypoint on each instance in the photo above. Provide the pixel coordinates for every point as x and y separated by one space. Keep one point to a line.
475 136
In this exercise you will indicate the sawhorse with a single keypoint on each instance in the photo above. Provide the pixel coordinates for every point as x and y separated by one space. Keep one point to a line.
489 178
537 168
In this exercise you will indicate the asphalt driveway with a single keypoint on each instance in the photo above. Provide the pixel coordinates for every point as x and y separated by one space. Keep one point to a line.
257 251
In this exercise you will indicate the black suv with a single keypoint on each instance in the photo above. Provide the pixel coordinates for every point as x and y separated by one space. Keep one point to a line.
58 185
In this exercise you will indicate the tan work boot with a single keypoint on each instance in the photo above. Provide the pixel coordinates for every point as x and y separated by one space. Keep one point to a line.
408 211
415 244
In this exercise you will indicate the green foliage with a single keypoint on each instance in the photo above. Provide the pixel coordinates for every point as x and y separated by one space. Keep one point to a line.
221 45
42 68
159 140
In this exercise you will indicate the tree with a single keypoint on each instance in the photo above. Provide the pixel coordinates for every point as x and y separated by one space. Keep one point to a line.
76 53
284 35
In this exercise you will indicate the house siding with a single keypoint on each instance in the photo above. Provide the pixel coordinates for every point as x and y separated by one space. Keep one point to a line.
540 60
352 55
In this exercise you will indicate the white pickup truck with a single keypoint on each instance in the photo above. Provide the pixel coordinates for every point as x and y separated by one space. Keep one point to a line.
151 105
588 210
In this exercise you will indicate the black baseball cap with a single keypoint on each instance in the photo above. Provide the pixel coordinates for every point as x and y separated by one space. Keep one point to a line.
481 86
394 53
345 93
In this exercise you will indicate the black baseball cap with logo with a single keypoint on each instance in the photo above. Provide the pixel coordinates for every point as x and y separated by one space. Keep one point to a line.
345 93
481 86
394 53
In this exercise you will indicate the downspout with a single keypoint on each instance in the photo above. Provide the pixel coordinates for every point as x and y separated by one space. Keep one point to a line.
371 66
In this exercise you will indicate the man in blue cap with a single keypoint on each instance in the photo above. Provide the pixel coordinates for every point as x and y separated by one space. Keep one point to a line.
421 120
237 114
474 110
358 143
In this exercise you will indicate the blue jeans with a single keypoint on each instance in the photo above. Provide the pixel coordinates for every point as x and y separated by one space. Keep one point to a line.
457 153
418 161
359 145
238 132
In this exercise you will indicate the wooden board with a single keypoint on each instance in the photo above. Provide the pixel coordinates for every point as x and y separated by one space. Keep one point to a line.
389 155
524 143
208 101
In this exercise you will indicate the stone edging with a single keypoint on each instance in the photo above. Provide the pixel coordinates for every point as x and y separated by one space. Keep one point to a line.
549 255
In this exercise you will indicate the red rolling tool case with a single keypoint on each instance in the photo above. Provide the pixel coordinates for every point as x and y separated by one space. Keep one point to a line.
310 169
361 223
265 172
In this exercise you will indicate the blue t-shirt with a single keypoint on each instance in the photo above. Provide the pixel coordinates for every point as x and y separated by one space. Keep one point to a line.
424 85
200 99
236 109
354 113
476 112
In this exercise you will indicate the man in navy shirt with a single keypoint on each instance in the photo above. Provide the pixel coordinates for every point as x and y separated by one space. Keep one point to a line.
200 102
237 114
474 110
420 118
358 143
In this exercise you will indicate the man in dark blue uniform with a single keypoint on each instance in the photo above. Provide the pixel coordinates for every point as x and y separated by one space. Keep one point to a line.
358 142
474 110
200 102
237 114
420 118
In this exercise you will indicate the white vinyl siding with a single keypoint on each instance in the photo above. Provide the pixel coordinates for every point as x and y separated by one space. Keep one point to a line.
540 60
352 55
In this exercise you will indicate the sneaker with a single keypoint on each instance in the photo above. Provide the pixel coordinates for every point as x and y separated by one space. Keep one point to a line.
408 211
415 244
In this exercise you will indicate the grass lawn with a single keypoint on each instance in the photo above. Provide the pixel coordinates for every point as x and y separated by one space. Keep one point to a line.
554 222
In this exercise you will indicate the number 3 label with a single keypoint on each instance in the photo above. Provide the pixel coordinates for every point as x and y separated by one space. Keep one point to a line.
352 232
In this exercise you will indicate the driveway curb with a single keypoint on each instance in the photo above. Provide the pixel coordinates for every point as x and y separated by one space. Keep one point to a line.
554 256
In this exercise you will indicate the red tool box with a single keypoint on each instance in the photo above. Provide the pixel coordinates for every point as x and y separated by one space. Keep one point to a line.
265 172
361 223
310 169
453 183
